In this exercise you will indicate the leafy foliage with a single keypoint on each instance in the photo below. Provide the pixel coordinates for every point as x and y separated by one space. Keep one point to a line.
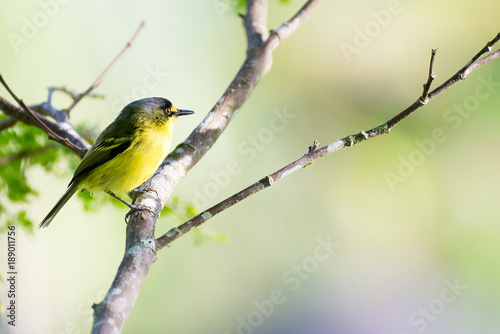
22 147
238 5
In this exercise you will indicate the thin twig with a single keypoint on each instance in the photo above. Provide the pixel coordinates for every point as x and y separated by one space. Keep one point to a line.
460 75
74 95
52 135
47 109
430 79
176 232
487 48
288 27
314 146
60 116
64 130
77 98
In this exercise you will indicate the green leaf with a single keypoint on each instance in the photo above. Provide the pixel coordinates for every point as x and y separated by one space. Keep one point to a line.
166 211
191 211
24 221
21 148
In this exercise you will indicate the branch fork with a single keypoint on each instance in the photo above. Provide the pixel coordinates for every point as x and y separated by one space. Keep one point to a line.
260 44
430 79
316 153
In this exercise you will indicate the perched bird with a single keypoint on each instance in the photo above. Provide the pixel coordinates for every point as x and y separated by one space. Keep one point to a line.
127 152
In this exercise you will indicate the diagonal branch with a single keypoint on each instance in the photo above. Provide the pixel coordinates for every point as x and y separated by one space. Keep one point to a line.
288 27
487 48
37 120
78 97
61 116
7 123
63 130
472 65
313 154
188 153
140 249
72 94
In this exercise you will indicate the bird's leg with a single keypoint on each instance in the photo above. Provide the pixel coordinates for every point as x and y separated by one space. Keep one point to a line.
131 206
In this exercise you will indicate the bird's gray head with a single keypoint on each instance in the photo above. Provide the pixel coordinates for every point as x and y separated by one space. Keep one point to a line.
159 106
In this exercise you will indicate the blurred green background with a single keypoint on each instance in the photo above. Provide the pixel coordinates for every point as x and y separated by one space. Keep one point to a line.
413 215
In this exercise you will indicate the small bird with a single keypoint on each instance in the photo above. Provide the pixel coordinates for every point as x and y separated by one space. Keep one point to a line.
126 153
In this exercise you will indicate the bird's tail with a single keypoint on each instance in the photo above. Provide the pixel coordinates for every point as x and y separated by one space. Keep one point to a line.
64 198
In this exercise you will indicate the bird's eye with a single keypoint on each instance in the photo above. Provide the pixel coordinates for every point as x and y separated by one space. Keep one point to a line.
168 111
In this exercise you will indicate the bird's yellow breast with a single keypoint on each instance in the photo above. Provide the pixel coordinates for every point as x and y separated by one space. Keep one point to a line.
132 167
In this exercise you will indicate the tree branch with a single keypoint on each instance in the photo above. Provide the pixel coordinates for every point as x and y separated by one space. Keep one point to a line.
140 250
47 109
38 119
59 115
78 97
61 131
255 23
313 154
7 123
288 27
65 134
471 66
430 79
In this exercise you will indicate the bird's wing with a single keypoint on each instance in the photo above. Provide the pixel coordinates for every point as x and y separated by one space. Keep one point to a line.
101 152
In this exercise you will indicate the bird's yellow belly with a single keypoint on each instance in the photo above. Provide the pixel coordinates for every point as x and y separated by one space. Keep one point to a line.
132 167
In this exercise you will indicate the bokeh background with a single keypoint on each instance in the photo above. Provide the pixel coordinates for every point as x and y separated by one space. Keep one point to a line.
411 218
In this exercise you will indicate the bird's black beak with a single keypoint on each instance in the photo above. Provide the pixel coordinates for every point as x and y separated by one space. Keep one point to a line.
181 112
